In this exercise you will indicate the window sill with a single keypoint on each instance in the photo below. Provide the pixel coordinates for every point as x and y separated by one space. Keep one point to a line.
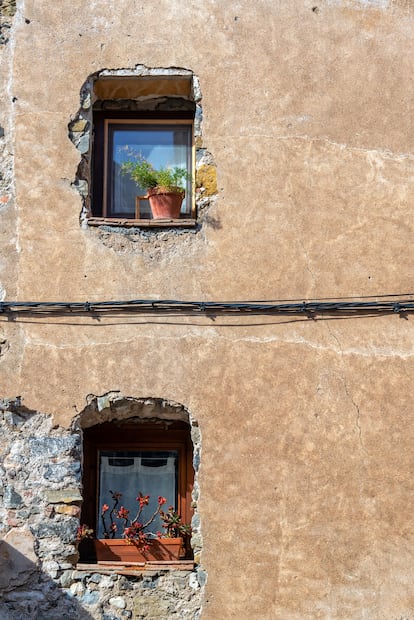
130 223
132 568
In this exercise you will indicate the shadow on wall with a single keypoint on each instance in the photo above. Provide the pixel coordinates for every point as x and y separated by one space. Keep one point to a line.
27 592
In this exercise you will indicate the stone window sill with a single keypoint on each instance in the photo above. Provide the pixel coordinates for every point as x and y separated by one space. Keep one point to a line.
133 567
142 223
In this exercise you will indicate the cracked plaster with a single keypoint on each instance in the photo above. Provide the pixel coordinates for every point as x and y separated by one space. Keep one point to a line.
308 114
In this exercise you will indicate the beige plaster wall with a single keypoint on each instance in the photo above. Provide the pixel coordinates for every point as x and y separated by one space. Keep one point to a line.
307 426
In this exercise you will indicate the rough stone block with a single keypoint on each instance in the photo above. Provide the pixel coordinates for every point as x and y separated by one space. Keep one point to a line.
149 607
77 589
117 601
64 509
206 178
57 472
64 496
18 560
79 125
52 446
64 529
11 498
82 144
90 597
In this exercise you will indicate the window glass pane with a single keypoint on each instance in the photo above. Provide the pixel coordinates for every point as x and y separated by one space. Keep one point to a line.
161 145
152 473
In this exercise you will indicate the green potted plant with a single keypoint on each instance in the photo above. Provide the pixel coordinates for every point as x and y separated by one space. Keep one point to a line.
138 544
163 186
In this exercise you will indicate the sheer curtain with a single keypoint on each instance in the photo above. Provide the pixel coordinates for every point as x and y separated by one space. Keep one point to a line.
152 474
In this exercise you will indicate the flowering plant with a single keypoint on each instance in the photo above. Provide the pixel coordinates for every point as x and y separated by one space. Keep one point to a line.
83 533
166 179
134 528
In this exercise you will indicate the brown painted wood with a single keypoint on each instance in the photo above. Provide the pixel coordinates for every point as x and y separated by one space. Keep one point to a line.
145 223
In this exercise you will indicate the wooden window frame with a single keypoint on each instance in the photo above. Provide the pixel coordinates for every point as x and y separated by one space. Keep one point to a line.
143 436
100 175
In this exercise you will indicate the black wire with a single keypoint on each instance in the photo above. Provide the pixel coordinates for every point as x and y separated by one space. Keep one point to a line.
361 305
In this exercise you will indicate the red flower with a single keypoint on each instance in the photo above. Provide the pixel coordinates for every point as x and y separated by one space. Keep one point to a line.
132 529
123 513
143 500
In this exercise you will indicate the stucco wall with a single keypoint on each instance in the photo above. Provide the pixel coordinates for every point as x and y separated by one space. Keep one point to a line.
307 425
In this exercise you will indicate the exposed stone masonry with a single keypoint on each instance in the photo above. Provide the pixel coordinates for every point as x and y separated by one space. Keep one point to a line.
7 11
8 272
158 594
40 499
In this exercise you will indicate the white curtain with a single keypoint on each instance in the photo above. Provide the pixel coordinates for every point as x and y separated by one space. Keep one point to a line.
129 475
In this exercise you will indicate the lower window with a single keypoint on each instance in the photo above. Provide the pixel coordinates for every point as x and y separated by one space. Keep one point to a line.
132 469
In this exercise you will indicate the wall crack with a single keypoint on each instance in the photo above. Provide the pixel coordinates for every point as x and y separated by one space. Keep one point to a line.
347 391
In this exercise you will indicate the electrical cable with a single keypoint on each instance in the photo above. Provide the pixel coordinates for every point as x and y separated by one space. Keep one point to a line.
383 304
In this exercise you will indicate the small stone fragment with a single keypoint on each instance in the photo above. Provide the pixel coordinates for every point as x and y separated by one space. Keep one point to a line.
78 125
77 589
117 601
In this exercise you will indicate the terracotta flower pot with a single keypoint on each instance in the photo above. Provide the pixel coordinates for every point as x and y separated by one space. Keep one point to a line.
119 550
166 204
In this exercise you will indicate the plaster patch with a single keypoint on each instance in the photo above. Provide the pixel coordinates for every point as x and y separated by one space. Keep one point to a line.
361 4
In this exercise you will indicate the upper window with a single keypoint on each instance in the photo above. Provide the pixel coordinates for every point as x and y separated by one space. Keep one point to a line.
142 119
161 143
142 115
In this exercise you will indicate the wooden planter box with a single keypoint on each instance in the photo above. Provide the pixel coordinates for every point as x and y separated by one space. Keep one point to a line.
118 550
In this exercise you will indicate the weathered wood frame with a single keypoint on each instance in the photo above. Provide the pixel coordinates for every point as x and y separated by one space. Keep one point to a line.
103 163
131 436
